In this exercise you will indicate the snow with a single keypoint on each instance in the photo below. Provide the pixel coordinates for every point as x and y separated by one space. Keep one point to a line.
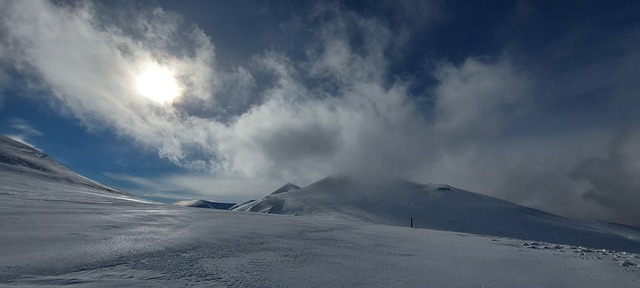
441 207
55 232
22 159
248 205
286 188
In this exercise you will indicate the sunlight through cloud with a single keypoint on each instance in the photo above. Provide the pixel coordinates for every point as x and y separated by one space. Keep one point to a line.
158 84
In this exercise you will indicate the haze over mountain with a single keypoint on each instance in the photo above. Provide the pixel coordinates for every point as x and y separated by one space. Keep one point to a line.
442 207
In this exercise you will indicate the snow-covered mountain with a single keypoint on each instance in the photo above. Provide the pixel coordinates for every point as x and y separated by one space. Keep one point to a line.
205 204
439 207
246 206
45 178
286 188
19 158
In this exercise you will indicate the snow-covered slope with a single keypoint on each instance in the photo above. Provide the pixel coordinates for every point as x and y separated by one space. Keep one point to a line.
205 204
58 231
286 188
246 206
24 166
18 158
439 207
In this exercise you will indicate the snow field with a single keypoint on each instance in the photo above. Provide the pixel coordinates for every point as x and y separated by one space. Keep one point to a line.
59 229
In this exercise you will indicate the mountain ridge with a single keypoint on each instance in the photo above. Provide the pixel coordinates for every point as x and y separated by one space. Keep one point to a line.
22 160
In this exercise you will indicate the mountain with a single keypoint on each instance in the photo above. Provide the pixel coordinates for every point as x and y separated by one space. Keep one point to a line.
440 207
286 188
23 159
48 179
248 205
205 204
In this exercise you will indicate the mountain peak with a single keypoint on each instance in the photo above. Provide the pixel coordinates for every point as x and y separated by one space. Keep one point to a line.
286 188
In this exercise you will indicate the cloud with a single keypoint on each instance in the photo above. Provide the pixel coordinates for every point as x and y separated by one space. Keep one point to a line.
333 107
91 70
24 128
295 131
5 80
474 99
500 137
23 131
611 180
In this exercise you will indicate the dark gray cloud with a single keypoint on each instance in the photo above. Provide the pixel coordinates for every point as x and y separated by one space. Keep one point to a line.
613 180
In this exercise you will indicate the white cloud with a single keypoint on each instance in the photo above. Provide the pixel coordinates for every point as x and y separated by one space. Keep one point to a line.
24 131
24 128
295 132
474 99
91 71
355 122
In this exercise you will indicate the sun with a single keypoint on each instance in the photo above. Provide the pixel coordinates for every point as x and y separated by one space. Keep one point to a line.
158 84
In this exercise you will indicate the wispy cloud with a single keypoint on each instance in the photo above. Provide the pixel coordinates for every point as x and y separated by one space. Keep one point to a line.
24 128
23 131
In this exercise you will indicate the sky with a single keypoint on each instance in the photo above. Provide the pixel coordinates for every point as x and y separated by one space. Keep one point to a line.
534 102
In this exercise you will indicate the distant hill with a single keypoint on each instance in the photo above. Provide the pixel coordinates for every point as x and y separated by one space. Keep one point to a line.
205 204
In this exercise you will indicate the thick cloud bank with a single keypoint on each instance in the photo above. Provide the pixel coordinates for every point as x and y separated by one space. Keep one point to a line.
338 107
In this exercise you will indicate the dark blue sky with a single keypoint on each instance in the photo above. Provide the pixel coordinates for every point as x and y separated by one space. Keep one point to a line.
531 101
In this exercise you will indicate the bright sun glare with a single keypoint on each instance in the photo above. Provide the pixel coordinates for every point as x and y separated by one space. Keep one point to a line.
158 84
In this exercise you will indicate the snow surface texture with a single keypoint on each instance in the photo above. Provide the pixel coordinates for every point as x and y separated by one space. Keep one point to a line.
57 232
440 207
